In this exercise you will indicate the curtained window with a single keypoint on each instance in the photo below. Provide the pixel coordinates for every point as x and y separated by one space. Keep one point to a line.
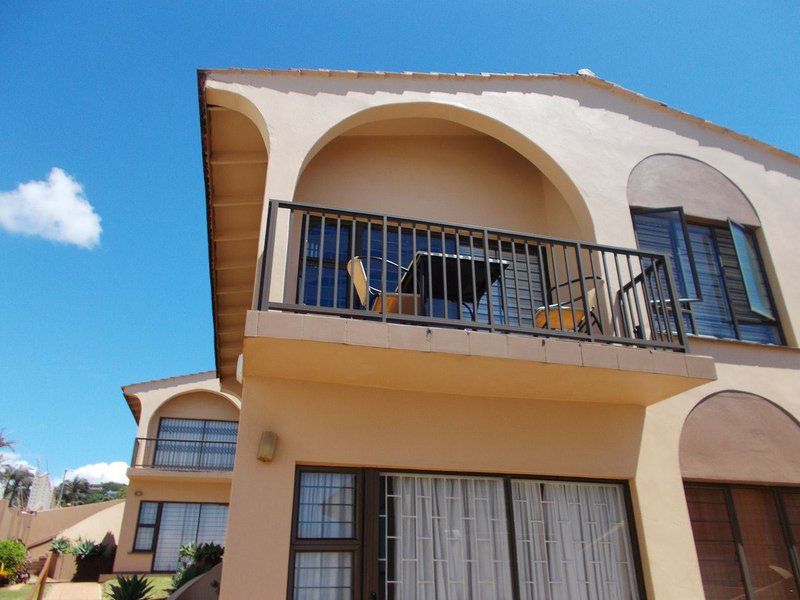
196 444
442 537
163 527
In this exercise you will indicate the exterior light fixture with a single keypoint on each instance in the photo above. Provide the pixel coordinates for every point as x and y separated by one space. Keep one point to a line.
240 368
266 446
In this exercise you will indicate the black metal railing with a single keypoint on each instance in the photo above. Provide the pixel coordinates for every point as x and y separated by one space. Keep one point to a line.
183 455
402 270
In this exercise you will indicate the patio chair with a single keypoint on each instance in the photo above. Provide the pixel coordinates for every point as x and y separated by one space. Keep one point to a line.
371 297
570 316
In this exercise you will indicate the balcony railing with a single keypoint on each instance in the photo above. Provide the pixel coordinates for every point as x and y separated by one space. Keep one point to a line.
183 455
401 270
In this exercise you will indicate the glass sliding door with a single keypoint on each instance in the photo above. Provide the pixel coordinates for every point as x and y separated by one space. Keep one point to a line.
182 523
363 534
572 541
443 537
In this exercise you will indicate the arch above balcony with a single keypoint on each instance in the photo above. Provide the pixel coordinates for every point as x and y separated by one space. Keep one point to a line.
480 123
195 404
735 436
667 180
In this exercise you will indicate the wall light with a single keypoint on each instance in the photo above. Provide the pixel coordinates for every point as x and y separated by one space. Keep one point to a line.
266 446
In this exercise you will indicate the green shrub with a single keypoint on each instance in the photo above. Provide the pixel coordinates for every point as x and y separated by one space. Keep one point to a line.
130 588
14 557
60 545
202 557
186 573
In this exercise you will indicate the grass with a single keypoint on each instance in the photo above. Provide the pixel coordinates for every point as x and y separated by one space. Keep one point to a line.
160 583
18 594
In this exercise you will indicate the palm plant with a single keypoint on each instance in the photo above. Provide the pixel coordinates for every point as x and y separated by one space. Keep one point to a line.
18 480
74 491
5 442
130 588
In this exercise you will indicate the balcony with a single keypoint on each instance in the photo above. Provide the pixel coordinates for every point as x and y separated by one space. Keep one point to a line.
188 456
447 275
614 307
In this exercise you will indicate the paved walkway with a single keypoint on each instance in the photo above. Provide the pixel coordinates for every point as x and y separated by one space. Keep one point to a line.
73 591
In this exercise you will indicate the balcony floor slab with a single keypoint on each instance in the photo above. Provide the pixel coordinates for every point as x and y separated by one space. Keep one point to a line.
287 345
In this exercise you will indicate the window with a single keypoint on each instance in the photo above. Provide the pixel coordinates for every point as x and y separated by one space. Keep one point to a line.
458 536
326 536
146 527
719 274
744 537
163 527
196 444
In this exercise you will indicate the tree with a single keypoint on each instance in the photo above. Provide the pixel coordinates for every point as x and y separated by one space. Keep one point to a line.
4 441
73 491
17 480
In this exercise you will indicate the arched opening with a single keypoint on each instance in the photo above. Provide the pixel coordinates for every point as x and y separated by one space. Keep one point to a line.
193 431
444 163
199 404
740 457
667 180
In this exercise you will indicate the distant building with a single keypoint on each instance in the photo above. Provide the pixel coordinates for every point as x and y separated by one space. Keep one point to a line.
41 494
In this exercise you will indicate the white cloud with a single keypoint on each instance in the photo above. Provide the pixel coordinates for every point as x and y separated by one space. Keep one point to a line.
13 459
101 472
55 209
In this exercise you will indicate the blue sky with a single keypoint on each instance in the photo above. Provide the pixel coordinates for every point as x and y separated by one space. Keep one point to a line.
107 92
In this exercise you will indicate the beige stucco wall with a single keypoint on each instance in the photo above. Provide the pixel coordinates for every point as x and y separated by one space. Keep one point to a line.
471 179
343 425
159 489
165 397
194 405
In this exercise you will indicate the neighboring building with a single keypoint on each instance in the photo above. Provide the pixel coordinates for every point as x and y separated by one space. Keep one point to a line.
517 336
40 496
180 474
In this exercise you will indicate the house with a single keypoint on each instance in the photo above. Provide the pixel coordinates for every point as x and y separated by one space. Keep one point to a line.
180 473
495 336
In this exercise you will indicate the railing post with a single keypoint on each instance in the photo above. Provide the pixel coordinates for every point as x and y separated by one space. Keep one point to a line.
488 279
675 302
384 258
135 452
266 265
587 310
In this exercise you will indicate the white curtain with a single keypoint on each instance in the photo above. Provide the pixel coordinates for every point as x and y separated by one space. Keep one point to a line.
444 538
323 576
572 541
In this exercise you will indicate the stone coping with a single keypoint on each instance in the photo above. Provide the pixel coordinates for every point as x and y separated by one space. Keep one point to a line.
338 330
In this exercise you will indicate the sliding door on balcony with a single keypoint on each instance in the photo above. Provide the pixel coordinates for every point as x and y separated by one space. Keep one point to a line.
513 297
196 444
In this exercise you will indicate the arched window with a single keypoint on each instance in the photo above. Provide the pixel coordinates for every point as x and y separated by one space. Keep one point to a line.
740 459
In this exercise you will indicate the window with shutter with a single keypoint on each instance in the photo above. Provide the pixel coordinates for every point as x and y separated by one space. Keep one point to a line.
719 273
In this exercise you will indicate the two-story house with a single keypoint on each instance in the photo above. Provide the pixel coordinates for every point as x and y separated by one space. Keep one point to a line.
497 336
181 470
